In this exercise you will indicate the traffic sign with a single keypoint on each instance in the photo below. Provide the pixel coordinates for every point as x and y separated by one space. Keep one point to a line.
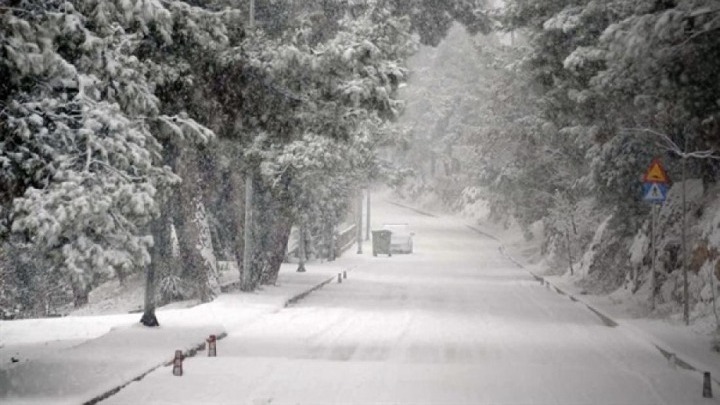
656 173
655 192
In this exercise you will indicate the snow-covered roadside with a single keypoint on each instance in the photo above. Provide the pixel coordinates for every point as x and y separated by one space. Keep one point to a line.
77 358
693 343
111 306
690 344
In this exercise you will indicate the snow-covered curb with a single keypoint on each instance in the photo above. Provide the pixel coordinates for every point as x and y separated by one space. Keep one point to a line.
668 352
187 353
304 294
200 346
675 357
93 366
419 211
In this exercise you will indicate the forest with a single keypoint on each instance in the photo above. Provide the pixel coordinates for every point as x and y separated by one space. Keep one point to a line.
128 127
550 124
132 131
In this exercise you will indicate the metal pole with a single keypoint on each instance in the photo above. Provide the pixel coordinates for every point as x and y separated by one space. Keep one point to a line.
246 282
653 225
569 248
359 222
301 248
252 14
686 297
367 213
333 248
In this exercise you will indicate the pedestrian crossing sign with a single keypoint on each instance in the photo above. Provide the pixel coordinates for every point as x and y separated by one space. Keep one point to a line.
655 192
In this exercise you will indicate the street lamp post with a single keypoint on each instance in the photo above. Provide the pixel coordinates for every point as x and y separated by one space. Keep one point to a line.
686 295
251 23
246 281
367 213
359 222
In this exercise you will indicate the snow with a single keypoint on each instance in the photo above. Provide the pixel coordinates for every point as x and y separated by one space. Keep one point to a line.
639 248
631 311
455 322
589 255
76 358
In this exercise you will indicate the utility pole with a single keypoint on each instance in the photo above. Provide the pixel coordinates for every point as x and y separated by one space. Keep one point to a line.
359 221
301 248
686 295
333 248
251 23
367 223
246 281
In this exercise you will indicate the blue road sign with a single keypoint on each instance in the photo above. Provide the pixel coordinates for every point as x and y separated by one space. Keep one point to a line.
655 192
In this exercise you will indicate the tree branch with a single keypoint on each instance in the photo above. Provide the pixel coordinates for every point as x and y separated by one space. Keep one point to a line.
669 145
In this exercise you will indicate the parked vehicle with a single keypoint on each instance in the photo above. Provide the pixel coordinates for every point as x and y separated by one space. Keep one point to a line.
401 239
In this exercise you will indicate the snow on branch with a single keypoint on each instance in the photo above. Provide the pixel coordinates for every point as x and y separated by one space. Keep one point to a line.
665 142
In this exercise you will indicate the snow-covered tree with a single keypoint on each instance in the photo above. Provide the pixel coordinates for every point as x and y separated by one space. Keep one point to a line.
83 166
610 76
80 152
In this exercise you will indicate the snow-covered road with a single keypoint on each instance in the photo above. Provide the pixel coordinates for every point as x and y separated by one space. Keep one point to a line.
455 322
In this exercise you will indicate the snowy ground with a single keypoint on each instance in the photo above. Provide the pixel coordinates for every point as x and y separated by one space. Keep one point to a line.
455 322
691 343
76 358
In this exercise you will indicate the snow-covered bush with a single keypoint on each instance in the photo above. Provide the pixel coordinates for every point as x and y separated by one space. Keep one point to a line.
473 204
605 263
173 288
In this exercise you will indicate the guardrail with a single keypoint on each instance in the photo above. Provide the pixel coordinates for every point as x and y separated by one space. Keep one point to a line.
344 239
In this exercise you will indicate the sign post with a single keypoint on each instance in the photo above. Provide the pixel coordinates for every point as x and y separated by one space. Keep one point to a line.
655 189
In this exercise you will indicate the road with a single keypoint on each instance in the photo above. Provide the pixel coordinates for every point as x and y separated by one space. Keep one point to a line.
454 323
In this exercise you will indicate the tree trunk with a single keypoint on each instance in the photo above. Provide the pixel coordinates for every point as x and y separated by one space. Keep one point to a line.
271 239
214 185
196 253
280 234
160 254
233 209
81 293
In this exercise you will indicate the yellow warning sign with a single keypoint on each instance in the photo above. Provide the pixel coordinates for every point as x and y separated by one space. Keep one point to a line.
656 173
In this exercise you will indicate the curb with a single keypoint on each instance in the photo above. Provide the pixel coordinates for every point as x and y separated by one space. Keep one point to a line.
493 237
187 353
196 348
664 349
421 212
295 299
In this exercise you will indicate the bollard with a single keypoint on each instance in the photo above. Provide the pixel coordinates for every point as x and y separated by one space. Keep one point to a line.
212 346
177 363
339 278
707 386
344 274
